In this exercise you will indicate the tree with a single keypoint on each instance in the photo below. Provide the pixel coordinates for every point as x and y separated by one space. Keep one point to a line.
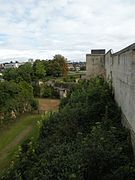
61 60
11 74
15 98
26 72
84 140
39 69
53 68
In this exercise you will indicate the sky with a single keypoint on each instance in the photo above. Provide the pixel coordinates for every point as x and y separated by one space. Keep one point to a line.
42 28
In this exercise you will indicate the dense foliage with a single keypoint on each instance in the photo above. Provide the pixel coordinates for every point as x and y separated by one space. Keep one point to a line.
15 98
48 92
38 71
84 140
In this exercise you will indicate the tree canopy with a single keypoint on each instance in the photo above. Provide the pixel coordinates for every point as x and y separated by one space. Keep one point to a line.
84 140
61 60
38 71
15 98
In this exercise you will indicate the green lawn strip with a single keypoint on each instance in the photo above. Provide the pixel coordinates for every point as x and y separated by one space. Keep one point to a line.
77 73
8 160
10 134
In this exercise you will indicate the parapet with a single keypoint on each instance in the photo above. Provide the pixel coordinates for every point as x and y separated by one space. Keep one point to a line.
98 51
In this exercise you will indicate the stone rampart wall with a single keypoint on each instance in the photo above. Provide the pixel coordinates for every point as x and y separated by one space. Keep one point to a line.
120 69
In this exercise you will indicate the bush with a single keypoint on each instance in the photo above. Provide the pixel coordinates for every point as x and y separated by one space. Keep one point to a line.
48 92
34 104
15 99
84 140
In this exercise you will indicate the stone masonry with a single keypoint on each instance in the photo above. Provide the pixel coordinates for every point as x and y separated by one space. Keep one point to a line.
95 63
120 69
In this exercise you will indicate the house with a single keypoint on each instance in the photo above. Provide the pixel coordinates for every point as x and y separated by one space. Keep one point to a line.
12 64
71 66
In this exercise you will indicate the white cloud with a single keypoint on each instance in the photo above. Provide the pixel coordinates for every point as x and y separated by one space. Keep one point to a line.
43 28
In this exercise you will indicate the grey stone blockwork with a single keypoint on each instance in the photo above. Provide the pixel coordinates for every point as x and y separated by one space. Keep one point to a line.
95 63
120 69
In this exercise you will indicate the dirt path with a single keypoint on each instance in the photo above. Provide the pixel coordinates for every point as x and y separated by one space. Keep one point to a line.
48 104
16 141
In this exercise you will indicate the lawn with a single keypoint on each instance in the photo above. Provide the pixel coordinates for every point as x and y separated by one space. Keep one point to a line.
13 135
48 104
76 73
23 128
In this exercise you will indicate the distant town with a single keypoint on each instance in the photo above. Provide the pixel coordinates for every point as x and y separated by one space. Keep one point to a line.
72 66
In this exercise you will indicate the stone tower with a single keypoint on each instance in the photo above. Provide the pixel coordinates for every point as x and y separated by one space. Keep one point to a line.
95 63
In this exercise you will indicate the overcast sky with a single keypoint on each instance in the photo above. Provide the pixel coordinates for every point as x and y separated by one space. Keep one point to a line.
43 28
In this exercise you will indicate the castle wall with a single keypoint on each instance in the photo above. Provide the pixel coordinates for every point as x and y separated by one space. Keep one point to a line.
95 65
120 69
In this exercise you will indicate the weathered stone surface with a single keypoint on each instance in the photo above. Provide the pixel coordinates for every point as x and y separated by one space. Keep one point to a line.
120 69
95 64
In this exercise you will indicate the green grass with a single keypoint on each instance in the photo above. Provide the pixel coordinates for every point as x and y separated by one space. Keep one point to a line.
9 134
76 73
14 134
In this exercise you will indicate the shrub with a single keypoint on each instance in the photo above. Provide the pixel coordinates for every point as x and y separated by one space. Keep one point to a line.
84 140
